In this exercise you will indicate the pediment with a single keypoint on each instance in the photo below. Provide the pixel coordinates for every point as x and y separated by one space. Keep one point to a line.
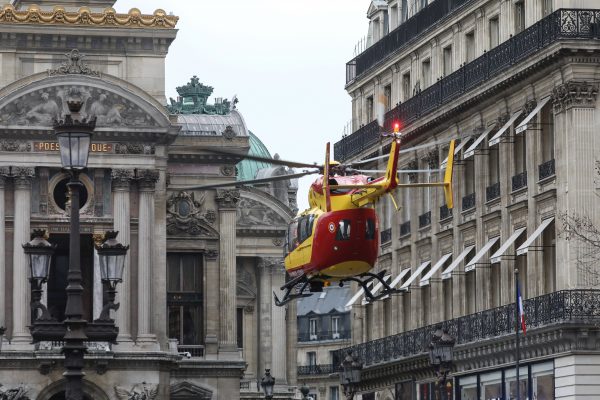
376 5
35 102
258 209
186 390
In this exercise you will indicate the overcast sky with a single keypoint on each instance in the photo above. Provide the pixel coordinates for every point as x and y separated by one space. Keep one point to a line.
284 59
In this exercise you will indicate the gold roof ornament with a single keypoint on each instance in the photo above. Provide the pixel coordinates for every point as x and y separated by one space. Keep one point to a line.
85 17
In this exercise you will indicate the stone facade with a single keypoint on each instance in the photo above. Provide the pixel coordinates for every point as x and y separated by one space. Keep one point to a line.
526 158
197 288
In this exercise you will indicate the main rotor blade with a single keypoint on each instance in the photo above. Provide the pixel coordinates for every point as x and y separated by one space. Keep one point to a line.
291 164
252 181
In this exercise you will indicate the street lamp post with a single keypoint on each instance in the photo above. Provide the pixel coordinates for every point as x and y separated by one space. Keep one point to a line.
74 136
267 382
441 357
350 375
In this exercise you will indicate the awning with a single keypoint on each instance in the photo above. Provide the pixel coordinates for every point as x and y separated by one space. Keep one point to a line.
358 295
376 289
447 273
425 280
414 276
471 150
507 125
471 265
523 125
397 280
525 246
457 149
497 256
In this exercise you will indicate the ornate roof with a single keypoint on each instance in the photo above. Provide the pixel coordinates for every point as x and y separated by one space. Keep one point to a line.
193 99
109 18
229 125
247 169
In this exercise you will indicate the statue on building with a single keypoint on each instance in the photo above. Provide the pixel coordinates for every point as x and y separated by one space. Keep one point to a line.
45 112
193 99
105 114
138 392
19 393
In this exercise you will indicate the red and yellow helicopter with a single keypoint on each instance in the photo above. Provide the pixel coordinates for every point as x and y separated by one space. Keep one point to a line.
337 238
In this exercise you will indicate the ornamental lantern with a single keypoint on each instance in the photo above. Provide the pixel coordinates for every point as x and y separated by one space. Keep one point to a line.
74 136
112 258
39 252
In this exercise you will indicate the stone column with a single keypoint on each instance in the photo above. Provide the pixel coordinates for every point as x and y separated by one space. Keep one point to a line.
21 288
279 339
211 342
265 330
121 179
227 201
98 292
3 286
147 179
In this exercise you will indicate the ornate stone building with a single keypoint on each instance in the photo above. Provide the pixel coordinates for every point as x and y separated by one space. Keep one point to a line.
516 83
196 318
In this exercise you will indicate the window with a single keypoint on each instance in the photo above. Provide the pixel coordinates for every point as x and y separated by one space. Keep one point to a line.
549 257
494 32
386 23
305 227
184 297
495 279
343 232
313 328
369 109
491 385
335 327
240 327
469 184
311 358
519 16
520 153
293 235
394 16
547 122
542 381
547 7
493 165
423 4
471 293
387 95
334 393
404 11
404 390
468 388
447 292
370 229
426 73
447 60
406 200
406 89
510 382
470 46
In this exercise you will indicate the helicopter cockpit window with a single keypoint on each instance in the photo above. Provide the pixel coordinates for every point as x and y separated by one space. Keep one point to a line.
343 232
305 227
293 236
370 229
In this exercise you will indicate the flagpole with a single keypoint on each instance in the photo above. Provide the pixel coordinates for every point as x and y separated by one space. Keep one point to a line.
518 354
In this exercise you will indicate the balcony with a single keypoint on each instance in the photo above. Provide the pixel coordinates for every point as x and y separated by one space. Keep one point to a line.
191 351
321 369
468 202
425 219
323 335
405 228
562 24
492 192
445 212
403 35
386 236
546 170
519 181
575 307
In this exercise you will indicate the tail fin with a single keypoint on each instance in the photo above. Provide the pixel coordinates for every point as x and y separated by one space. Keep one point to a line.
391 172
448 176
326 188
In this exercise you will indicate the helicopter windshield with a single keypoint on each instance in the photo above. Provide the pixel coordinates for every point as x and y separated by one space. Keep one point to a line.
293 235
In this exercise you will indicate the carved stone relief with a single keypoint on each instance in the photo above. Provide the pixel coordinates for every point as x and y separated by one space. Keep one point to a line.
186 390
227 170
138 392
134 148
18 393
574 94
251 212
41 108
227 198
187 215
245 282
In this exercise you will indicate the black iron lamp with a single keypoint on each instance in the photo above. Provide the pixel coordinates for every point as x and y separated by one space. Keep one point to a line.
304 390
112 258
74 136
39 252
441 358
267 382
350 375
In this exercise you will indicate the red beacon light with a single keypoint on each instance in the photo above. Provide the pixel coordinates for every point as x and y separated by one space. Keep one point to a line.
396 127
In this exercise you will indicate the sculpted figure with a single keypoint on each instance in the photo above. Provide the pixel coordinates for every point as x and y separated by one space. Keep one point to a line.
45 112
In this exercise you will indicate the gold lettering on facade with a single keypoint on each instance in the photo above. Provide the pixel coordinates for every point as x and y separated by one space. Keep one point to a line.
54 146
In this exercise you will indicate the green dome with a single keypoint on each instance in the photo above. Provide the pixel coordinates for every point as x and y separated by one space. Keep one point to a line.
246 169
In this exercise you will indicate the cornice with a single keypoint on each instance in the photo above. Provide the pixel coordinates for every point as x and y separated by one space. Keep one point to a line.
108 18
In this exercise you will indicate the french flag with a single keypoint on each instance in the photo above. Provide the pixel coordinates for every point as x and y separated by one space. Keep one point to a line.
521 310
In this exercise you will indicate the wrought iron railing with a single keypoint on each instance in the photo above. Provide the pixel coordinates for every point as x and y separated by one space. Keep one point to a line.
562 24
445 212
519 181
425 219
321 369
546 169
562 307
492 192
324 335
190 351
386 235
404 34
468 202
405 228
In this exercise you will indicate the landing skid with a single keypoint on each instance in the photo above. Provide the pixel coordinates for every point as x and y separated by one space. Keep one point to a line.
364 279
315 284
